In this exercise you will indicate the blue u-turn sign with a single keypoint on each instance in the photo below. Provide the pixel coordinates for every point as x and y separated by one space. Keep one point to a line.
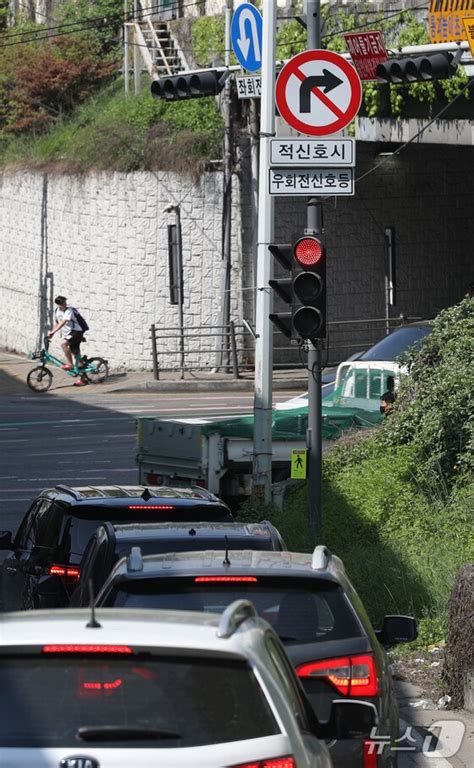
247 25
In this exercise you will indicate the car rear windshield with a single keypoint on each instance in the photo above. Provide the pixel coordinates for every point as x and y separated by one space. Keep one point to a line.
397 342
300 611
81 523
179 702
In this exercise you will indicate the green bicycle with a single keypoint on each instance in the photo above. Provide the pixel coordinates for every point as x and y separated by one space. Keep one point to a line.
39 379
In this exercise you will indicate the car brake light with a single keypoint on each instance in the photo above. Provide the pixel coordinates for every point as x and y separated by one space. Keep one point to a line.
204 579
150 506
66 571
87 649
350 675
272 762
369 752
103 686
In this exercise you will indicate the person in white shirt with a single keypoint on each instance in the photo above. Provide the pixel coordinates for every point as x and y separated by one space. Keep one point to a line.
71 334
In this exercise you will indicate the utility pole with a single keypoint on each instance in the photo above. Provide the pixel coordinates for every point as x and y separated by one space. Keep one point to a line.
262 445
314 226
223 353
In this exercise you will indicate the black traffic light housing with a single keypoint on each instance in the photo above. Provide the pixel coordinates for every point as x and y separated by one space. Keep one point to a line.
190 85
433 66
309 288
283 253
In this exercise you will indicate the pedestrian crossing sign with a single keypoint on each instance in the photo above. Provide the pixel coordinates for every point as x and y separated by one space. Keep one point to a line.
298 464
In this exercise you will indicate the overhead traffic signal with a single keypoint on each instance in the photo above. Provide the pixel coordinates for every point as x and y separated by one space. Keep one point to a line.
190 85
309 288
433 66
283 287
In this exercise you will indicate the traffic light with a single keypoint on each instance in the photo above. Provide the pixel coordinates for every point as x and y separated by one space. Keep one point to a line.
283 287
190 85
433 66
309 288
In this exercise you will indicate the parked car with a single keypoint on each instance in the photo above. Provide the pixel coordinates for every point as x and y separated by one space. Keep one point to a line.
387 350
148 688
112 542
311 604
52 536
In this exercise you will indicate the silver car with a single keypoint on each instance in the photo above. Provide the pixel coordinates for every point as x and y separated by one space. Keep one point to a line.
144 688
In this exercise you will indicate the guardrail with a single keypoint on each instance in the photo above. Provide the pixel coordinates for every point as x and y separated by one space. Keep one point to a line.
231 347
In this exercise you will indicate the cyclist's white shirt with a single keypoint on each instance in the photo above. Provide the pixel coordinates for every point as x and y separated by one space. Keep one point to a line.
70 325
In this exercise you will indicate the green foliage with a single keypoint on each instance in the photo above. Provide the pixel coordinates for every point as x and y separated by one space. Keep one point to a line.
114 132
434 411
208 40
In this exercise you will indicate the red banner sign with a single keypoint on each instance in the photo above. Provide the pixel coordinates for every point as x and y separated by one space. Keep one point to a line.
367 49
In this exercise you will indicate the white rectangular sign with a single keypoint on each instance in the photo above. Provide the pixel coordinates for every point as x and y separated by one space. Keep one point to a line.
249 87
320 152
311 181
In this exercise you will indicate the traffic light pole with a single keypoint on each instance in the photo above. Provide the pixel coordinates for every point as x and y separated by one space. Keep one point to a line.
314 223
262 439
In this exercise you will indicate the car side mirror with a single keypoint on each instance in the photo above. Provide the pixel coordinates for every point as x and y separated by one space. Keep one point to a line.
349 719
397 629
6 540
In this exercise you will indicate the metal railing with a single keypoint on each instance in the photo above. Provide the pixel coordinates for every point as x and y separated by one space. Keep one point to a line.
231 347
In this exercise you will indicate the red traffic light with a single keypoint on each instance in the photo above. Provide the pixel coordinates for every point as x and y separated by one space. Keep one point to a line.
308 252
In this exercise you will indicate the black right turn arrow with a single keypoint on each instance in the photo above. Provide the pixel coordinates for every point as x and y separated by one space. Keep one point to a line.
327 81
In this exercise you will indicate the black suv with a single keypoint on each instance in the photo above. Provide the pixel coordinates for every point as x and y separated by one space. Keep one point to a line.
42 566
311 604
112 542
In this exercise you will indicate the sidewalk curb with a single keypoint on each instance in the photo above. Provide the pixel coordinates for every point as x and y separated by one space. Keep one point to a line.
235 385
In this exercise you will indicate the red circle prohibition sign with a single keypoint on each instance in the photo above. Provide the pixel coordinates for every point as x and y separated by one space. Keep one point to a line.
331 88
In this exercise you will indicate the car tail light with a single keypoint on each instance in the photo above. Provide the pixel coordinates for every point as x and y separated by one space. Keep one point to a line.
270 762
369 753
214 579
102 686
150 506
71 572
87 649
200 483
350 675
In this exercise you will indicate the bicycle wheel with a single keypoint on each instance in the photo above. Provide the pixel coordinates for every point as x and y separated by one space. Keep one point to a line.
97 370
39 379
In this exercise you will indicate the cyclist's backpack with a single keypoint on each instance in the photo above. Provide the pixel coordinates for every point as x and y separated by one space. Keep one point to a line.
80 320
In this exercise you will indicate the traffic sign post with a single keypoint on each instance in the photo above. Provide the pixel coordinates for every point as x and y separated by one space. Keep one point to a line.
318 92
311 181
247 36
317 152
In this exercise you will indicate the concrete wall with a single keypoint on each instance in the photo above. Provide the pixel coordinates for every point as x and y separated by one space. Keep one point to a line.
101 240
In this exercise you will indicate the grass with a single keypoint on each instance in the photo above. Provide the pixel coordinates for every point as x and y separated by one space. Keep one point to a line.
114 132
401 548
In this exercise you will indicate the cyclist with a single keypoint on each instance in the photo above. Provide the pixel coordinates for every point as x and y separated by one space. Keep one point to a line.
71 335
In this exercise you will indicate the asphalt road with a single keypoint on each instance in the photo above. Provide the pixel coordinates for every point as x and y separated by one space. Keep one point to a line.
87 438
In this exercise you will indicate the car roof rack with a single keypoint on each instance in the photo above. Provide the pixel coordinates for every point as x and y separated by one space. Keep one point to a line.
135 560
69 490
321 558
234 615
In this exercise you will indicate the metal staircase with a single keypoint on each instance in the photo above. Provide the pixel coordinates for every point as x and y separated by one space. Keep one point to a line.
154 46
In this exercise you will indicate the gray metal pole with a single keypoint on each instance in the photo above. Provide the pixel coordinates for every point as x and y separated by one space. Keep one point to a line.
314 223
179 259
126 51
262 435
136 52
223 351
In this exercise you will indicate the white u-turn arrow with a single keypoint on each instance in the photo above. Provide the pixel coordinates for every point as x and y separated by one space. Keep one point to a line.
243 41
